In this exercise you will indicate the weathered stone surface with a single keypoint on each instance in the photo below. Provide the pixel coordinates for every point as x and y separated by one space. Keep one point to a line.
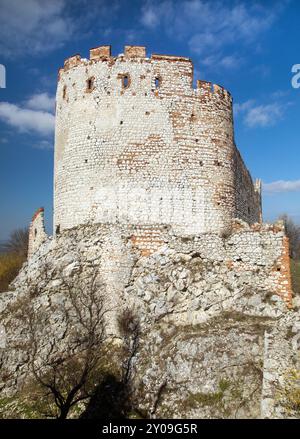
216 335
151 194
136 144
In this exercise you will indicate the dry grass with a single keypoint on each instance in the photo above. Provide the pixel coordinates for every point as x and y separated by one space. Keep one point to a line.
10 264
295 271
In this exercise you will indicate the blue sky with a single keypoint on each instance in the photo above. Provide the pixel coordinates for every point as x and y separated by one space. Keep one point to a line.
249 47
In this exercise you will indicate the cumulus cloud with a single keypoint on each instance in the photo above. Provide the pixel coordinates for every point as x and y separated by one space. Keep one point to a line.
39 26
33 25
282 186
26 119
245 106
222 23
260 115
264 115
228 62
41 101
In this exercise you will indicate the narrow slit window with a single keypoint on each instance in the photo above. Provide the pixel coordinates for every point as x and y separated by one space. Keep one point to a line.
157 82
125 81
64 92
90 84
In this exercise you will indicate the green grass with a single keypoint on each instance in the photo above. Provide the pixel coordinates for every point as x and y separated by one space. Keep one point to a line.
295 271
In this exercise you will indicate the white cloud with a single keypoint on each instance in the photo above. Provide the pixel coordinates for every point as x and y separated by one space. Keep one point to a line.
39 26
260 115
218 60
245 106
33 26
282 186
211 27
41 101
155 13
149 18
264 115
43 144
27 120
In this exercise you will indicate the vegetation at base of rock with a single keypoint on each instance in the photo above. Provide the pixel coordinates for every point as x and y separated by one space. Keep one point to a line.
210 398
289 394
17 243
226 401
186 323
10 265
292 231
295 271
13 254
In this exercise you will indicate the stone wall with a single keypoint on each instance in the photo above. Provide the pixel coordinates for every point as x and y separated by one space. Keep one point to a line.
37 234
137 144
217 323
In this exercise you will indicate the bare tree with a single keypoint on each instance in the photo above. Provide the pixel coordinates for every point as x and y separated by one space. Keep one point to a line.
131 332
293 233
17 243
66 369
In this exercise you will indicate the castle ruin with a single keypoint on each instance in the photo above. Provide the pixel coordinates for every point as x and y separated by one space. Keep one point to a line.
136 144
151 191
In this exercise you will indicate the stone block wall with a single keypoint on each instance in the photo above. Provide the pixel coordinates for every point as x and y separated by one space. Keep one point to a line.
216 302
37 234
136 144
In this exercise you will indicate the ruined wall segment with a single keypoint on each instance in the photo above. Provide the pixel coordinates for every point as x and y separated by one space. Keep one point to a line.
37 234
136 144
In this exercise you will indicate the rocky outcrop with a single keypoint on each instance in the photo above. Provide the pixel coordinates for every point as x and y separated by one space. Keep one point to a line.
218 338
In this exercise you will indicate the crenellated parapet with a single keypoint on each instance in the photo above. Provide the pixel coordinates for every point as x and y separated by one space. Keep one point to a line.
210 90
138 54
103 53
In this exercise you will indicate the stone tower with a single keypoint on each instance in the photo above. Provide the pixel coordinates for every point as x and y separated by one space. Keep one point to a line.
137 145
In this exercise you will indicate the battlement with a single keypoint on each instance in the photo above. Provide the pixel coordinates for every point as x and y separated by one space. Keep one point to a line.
102 53
208 89
135 51
137 54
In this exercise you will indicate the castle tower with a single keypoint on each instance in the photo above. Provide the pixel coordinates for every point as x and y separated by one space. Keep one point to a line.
136 144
